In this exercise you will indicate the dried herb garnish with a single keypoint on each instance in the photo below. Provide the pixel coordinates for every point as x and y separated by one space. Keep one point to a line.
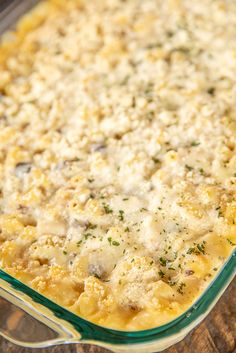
107 208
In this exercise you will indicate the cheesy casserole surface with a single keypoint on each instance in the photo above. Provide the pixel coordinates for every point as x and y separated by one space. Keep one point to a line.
117 154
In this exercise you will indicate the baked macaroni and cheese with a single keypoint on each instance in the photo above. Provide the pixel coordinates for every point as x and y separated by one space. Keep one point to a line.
118 154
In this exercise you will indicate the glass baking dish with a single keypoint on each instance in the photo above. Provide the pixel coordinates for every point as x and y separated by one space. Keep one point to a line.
31 320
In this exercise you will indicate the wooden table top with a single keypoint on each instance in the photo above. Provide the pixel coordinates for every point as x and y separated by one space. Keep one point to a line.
216 334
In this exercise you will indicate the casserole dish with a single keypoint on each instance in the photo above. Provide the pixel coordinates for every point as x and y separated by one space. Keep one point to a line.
61 326
71 328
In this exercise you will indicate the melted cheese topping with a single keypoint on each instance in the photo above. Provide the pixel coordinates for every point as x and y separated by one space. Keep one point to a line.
117 154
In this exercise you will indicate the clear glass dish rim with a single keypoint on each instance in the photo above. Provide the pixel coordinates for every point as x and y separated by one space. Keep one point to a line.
91 331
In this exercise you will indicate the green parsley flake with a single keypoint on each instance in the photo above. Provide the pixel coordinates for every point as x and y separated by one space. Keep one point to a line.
201 171
91 226
188 167
91 180
156 160
87 235
163 261
197 249
107 208
195 144
143 209
211 91
121 215
180 288
113 242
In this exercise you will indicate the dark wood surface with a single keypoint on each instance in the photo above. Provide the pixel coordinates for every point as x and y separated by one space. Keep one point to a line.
216 334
